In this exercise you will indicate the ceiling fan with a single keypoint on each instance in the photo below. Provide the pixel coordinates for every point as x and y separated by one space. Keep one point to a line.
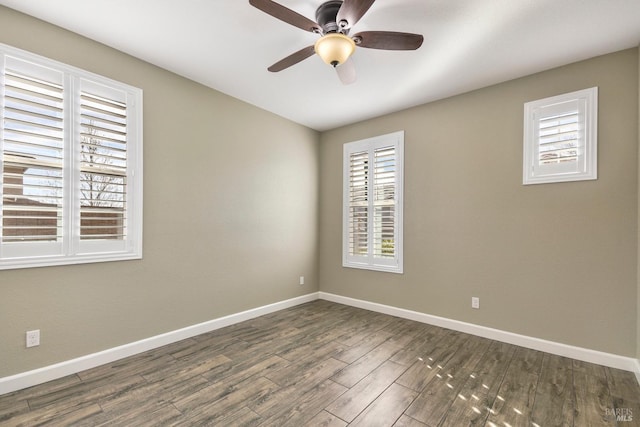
334 20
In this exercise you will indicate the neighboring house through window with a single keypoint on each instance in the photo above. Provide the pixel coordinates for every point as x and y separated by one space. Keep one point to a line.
71 164
372 204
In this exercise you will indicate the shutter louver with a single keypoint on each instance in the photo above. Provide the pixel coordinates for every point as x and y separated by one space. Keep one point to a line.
103 168
359 203
32 154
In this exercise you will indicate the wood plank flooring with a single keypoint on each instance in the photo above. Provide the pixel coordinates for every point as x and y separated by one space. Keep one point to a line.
326 364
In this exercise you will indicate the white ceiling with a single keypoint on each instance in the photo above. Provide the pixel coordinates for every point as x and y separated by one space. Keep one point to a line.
468 44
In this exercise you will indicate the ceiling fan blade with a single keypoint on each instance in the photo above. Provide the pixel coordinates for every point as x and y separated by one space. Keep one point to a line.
352 10
285 14
388 40
292 59
347 72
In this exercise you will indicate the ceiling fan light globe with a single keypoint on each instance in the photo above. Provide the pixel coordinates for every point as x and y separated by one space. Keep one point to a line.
334 48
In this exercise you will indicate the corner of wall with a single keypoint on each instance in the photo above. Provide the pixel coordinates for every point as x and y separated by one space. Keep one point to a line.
638 247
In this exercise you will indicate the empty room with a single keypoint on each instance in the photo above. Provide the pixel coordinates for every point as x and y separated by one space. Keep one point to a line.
398 213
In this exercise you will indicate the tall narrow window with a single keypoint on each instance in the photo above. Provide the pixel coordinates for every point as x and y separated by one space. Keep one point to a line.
560 138
372 205
71 164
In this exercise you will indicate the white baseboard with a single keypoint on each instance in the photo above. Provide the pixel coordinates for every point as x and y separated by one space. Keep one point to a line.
579 353
59 370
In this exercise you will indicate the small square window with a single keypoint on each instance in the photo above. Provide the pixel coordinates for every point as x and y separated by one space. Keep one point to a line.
560 138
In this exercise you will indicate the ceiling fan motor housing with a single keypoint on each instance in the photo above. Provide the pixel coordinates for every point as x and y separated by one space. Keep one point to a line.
326 16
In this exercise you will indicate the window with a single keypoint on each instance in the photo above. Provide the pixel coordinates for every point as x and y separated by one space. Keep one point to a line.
560 138
71 164
372 205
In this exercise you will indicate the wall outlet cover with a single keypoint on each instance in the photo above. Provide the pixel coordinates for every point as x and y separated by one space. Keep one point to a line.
33 338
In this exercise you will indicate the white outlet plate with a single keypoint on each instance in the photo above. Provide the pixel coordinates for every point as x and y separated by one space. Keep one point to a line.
302 280
33 338
475 302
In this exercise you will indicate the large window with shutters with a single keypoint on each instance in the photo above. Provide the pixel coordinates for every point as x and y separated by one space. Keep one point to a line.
71 164
372 203
560 138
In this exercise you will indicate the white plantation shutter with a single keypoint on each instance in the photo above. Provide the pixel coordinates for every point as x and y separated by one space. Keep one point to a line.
359 203
384 186
560 141
32 157
559 137
372 218
70 145
103 166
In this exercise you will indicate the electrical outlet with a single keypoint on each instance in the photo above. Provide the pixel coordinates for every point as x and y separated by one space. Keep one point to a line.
302 280
33 338
475 302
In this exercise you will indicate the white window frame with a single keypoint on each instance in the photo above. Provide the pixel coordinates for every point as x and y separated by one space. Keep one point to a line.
369 261
70 248
584 103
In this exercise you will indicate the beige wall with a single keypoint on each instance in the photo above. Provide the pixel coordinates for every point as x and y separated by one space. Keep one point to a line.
230 222
553 261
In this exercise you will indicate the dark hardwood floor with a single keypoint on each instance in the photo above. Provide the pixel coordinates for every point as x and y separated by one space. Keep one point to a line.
326 364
